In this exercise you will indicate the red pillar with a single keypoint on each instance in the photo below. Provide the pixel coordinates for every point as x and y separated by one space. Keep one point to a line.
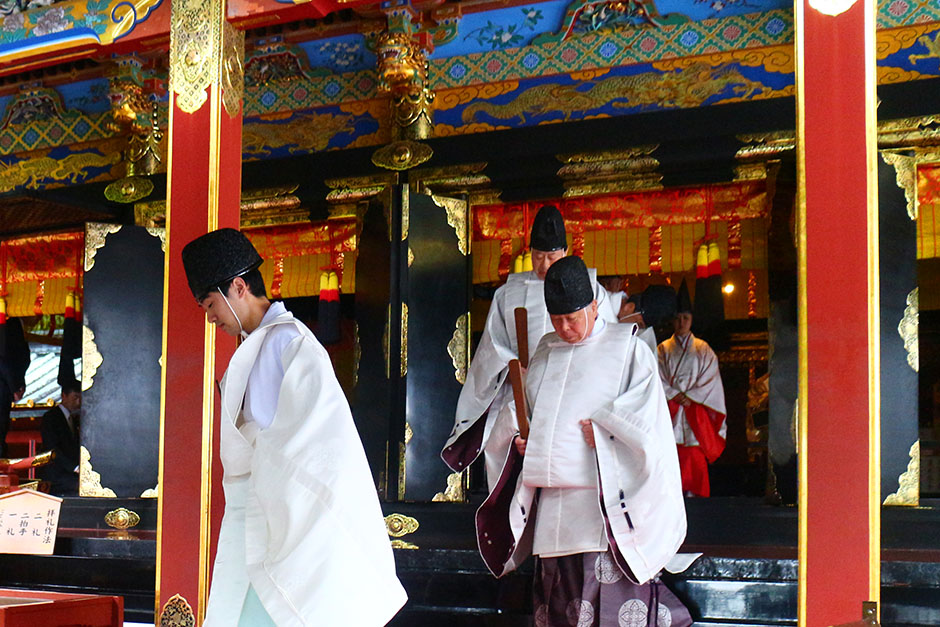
203 193
838 265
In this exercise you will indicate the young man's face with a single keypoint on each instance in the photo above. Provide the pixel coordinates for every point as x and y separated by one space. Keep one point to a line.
219 314
577 325
682 324
542 260
72 401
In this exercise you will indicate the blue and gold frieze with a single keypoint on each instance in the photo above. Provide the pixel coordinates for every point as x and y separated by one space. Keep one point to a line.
325 128
72 24
58 167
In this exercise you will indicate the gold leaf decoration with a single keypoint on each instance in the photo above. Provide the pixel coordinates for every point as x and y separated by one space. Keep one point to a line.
232 72
458 347
907 329
177 612
122 518
454 493
404 339
456 211
195 38
150 493
89 480
908 482
91 358
905 171
159 233
96 234
399 525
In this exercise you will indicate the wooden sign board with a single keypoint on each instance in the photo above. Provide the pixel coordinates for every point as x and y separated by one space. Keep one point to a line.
28 522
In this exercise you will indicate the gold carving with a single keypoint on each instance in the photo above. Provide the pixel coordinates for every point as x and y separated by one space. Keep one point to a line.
91 358
459 347
195 50
411 256
610 171
357 354
452 181
151 493
405 211
96 233
908 482
398 525
386 334
454 493
160 234
905 172
409 433
403 154
761 146
259 207
404 339
401 544
33 173
908 132
122 518
232 72
177 612
456 211
89 480
907 329
403 75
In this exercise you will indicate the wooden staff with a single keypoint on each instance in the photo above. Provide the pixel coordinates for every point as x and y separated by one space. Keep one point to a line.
518 393
516 377
522 335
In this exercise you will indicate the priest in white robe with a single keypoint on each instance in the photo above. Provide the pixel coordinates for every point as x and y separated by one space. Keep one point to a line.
692 382
487 384
594 491
303 541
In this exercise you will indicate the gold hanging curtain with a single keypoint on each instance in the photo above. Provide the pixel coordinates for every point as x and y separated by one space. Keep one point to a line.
39 271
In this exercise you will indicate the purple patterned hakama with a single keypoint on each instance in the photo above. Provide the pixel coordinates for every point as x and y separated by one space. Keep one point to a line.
589 590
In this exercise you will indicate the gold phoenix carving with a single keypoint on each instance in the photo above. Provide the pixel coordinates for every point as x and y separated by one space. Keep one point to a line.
91 358
908 482
456 211
907 329
96 233
177 612
205 51
89 480
458 347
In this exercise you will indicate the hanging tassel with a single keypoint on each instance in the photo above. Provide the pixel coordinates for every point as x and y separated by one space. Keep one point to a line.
714 259
3 310
701 262
328 309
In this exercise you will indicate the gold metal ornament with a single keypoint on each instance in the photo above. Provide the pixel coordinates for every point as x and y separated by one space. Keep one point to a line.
404 339
89 480
196 51
459 347
177 612
908 329
456 211
122 518
91 358
96 233
128 189
232 72
609 171
454 493
151 493
905 171
403 154
908 482
398 525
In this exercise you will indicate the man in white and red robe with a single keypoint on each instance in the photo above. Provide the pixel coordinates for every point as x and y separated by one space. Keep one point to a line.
594 491
689 370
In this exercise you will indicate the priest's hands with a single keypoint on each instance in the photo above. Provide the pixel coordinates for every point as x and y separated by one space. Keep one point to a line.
520 445
682 399
588 432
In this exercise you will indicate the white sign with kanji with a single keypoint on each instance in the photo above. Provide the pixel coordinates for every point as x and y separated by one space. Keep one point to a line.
28 522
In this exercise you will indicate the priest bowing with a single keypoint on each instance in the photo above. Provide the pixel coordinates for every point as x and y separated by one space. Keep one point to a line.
594 491
689 370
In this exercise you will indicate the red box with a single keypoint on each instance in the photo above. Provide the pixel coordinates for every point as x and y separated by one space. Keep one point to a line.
32 608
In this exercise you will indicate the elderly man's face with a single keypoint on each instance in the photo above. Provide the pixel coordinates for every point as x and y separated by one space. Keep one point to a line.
542 260
576 326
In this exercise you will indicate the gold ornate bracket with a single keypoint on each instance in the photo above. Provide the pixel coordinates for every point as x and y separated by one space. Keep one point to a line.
459 347
456 211
91 358
177 612
89 480
456 488
96 235
908 482
905 171
399 525
607 171
907 329
122 518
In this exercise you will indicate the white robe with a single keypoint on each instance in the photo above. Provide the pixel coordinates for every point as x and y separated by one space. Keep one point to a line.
691 368
487 385
315 549
611 379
